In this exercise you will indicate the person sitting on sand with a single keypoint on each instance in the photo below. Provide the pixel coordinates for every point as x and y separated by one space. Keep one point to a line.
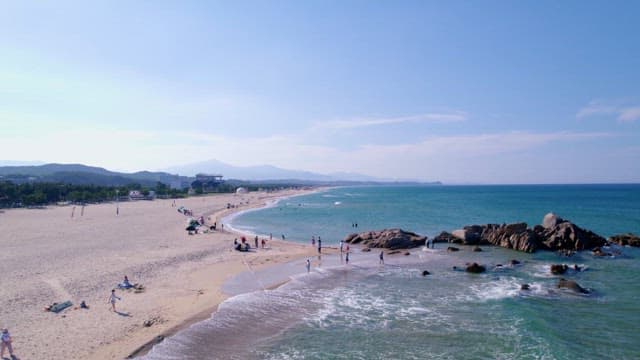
5 338
112 300
125 284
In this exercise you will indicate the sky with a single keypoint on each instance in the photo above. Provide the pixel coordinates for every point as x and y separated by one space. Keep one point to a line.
489 92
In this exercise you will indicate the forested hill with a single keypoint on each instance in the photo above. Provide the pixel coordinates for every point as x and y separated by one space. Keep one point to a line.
79 174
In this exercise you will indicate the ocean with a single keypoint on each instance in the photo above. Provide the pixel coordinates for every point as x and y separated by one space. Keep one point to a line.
365 310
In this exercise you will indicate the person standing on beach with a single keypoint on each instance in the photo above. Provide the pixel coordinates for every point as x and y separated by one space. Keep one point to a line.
382 257
256 241
5 338
319 245
313 240
112 300
341 245
308 266
347 258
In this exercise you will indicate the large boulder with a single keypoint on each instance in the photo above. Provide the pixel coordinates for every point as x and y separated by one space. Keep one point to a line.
550 220
388 239
469 235
511 236
568 236
626 240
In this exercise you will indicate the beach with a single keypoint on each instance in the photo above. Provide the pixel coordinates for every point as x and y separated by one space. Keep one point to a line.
63 254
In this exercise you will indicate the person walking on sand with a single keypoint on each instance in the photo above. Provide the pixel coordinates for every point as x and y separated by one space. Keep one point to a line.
341 244
256 241
382 257
319 245
5 338
112 300
308 266
347 258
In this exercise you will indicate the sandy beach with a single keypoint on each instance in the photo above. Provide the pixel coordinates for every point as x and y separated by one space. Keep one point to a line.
48 256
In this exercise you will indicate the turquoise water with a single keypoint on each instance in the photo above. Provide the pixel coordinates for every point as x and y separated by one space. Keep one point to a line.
364 310
605 209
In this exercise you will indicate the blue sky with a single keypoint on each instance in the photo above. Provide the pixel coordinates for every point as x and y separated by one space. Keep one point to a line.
461 92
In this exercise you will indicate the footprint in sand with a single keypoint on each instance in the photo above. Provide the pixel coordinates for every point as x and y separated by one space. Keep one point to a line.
58 289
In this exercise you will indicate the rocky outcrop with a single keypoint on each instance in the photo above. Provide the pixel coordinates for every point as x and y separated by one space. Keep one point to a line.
445 237
571 285
469 235
511 236
626 240
554 234
388 239
568 236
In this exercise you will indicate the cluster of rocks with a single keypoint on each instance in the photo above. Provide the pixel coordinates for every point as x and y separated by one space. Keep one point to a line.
389 239
554 234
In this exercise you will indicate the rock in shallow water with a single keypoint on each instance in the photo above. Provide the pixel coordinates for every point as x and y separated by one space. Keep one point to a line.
475 268
387 238
571 285
626 240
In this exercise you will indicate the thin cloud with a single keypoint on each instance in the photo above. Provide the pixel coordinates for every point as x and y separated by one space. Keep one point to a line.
444 117
622 112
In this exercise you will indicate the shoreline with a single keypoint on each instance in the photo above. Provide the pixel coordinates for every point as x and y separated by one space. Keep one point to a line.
87 255
226 216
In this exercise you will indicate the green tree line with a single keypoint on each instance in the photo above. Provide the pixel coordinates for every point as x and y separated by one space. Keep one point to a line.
35 194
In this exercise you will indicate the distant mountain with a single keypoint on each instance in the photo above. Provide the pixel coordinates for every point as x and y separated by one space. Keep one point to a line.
264 172
79 174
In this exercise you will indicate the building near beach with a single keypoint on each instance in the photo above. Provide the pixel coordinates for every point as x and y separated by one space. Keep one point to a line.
207 182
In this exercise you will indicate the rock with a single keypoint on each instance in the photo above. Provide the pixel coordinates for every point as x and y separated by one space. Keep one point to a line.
559 269
452 248
469 235
406 253
475 268
568 236
514 262
476 249
571 285
525 287
556 234
366 250
626 240
393 252
551 220
511 236
445 237
425 273
598 252
388 238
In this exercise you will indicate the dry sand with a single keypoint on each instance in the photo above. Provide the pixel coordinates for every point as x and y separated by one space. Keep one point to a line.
47 256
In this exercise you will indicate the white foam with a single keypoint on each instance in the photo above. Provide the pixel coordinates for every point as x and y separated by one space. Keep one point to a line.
502 288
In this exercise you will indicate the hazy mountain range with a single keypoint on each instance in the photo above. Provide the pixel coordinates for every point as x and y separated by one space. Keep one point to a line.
262 172
175 176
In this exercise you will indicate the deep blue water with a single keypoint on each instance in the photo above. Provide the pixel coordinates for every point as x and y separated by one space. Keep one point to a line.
365 310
